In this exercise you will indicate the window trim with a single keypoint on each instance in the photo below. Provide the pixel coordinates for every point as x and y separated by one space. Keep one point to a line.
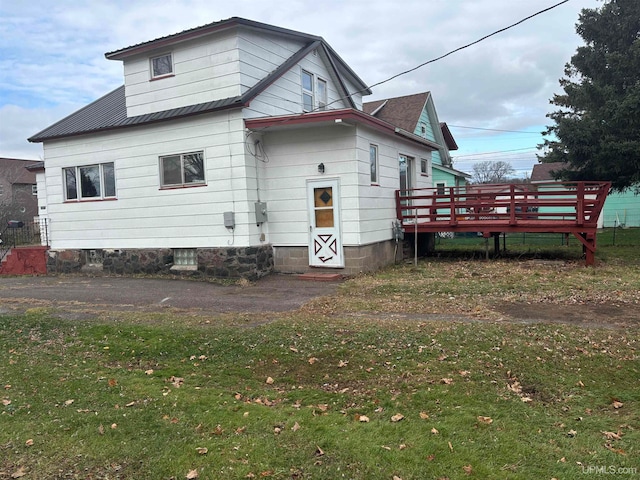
183 184
163 75
78 188
375 163
442 185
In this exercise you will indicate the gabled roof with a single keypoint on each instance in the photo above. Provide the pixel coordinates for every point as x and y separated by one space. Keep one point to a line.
448 136
542 171
403 112
110 112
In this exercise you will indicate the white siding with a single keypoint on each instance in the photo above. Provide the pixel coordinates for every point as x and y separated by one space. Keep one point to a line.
293 158
143 215
205 70
284 96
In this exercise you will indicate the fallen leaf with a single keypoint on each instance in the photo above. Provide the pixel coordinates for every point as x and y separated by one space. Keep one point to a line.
612 436
68 402
450 447
6 402
29 442
312 360
342 363
149 372
397 417
467 469
269 381
277 430
485 420
447 381
526 399
424 416
114 426
385 447
614 450
176 381
395 477
192 474
617 404
363 419
7 386
112 382
572 433
402 446
293 349
218 430
435 431
296 427
130 404
202 450
319 451
21 472
431 457
101 429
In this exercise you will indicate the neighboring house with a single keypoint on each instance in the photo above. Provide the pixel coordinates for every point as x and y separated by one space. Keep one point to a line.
18 191
620 208
235 148
417 114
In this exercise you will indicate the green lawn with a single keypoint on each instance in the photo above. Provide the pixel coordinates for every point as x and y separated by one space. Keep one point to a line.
367 384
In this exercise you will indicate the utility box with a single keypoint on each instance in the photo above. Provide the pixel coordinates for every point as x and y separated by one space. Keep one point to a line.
229 220
261 212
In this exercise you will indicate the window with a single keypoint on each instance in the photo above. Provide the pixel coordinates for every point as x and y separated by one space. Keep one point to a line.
182 170
89 182
307 91
161 66
373 162
440 188
185 257
34 189
322 94
1 189
424 166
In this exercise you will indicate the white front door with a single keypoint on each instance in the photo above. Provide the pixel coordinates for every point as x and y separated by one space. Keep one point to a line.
325 243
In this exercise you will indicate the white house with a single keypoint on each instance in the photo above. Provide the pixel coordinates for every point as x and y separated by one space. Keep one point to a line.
234 148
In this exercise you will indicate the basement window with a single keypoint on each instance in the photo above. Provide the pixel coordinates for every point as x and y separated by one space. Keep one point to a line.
185 258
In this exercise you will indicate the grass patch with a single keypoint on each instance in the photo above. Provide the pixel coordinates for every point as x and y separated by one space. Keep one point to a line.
97 400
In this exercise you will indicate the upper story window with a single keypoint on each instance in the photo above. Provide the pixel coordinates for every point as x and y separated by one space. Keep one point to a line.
307 92
34 189
373 162
90 182
322 94
182 170
162 66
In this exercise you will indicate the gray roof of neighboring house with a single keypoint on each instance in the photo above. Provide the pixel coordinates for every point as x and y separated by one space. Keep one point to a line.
542 172
19 169
110 111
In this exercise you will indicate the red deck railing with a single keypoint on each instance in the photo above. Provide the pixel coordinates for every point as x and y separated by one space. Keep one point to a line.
572 207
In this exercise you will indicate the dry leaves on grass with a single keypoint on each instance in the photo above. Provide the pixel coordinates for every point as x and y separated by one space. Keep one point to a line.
485 420
397 417
192 474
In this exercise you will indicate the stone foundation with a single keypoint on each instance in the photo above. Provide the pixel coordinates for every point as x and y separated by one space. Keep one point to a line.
365 258
236 262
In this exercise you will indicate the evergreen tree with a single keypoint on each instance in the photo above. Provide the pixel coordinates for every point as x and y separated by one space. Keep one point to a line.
597 126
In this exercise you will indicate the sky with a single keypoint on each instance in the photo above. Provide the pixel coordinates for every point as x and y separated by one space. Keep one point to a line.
493 95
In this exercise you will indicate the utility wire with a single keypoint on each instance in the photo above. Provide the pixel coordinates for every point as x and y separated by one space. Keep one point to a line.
468 45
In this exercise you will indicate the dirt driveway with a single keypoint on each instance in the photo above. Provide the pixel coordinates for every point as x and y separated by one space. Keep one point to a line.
274 293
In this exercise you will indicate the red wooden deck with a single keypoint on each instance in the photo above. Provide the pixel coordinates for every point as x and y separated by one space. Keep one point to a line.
571 208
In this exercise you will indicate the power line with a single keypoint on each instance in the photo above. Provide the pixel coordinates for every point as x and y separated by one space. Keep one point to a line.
468 45
493 153
495 130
